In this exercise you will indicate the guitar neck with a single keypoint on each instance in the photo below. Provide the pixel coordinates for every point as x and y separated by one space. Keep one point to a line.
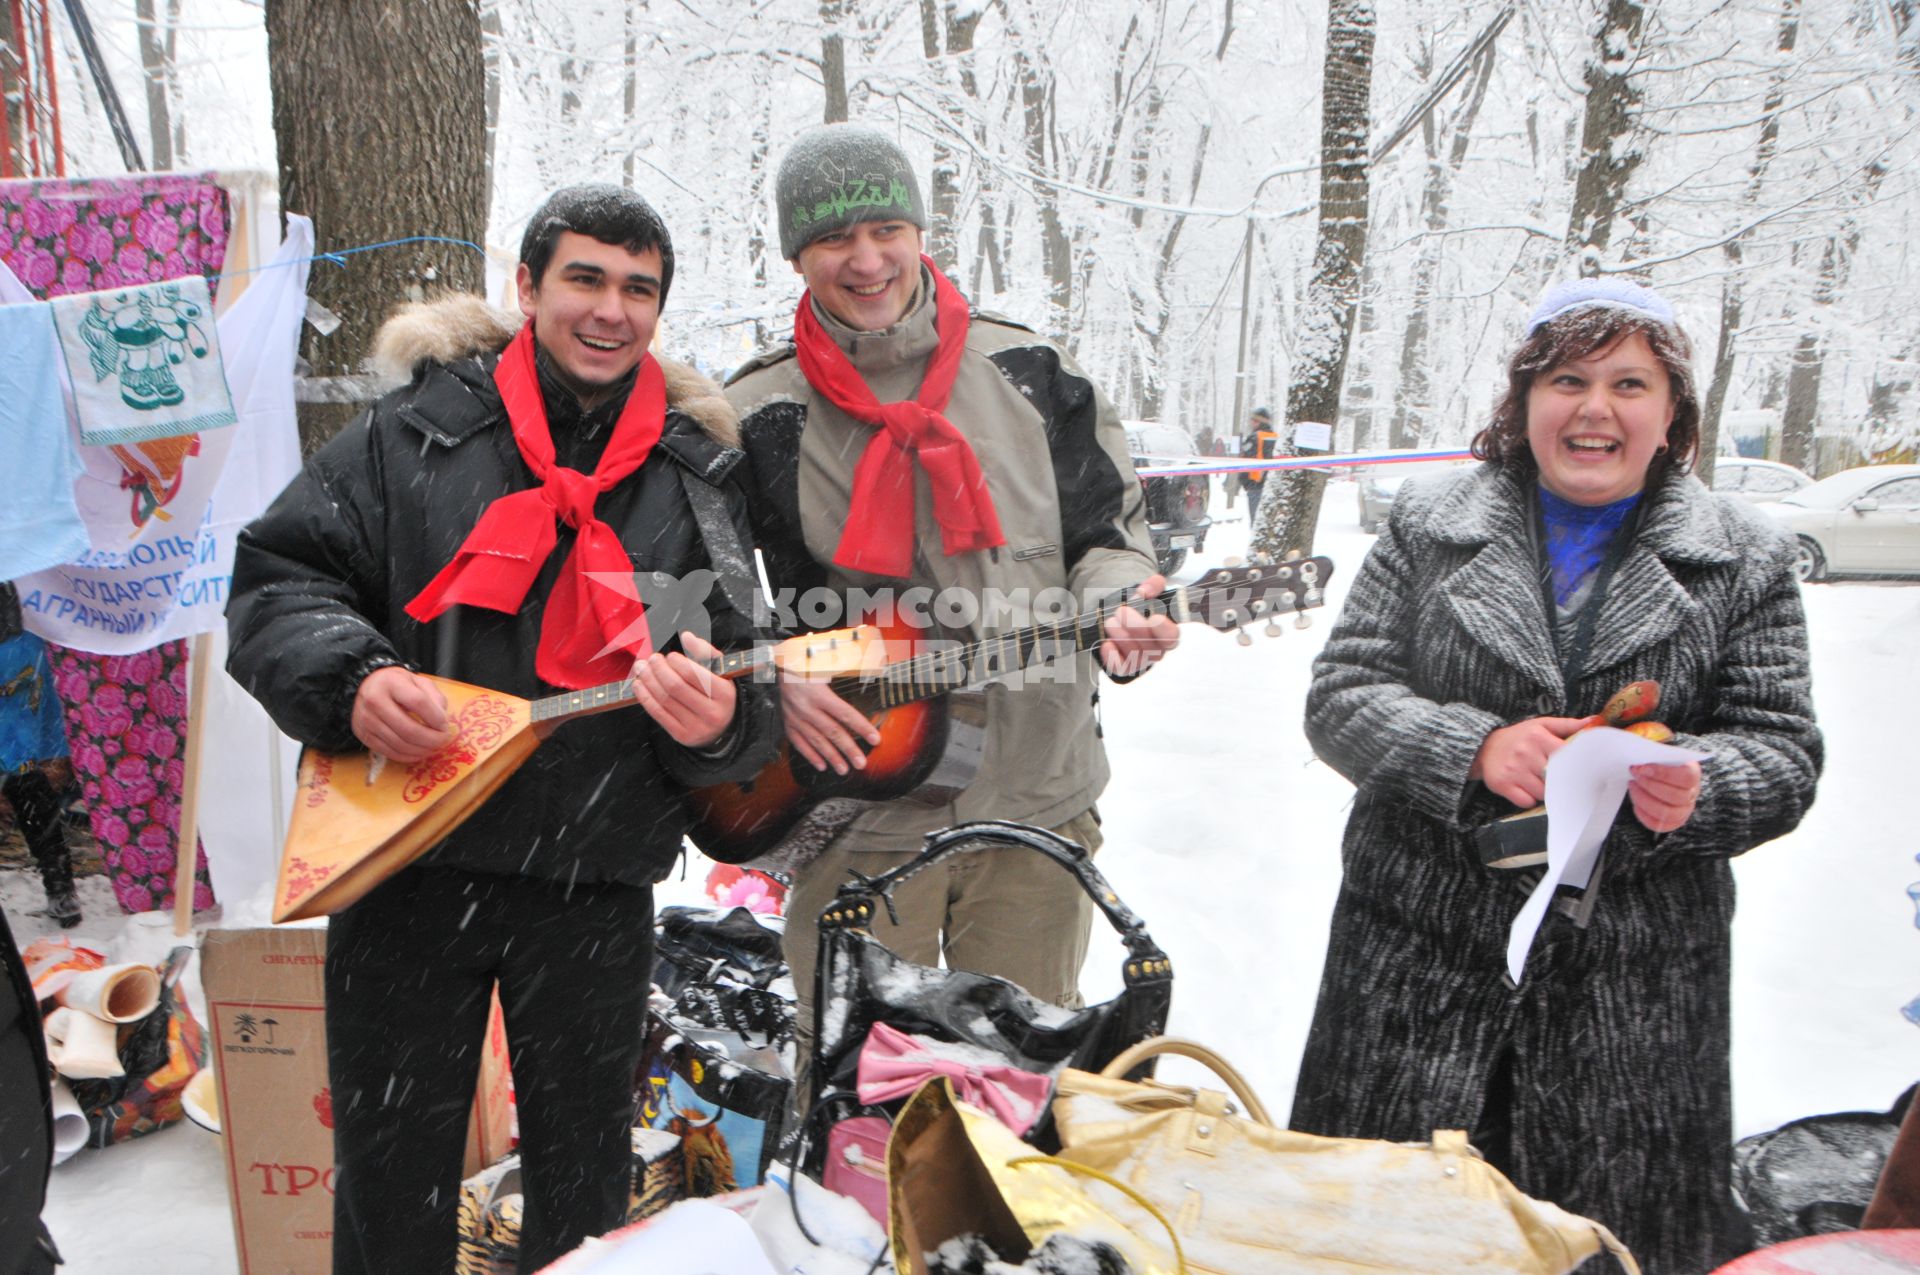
1225 598
959 666
598 699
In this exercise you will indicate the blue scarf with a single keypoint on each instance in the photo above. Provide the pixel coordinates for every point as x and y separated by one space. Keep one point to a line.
1578 537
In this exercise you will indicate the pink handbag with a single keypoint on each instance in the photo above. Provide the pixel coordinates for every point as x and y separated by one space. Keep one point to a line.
857 1162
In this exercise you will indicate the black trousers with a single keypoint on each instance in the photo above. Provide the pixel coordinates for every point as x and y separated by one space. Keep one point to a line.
409 972
36 808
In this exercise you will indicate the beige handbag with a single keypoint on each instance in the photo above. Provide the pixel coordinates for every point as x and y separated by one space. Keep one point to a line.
1247 1198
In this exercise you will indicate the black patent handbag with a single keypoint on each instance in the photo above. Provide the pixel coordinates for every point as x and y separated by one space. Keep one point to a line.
860 981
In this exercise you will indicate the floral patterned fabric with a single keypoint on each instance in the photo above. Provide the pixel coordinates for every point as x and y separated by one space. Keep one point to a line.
126 714
127 726
86 235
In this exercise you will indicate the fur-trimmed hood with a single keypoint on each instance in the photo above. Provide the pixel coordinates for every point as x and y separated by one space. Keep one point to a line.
462 326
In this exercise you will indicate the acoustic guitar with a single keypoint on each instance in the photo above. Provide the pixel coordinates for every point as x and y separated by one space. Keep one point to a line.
925 702
359 818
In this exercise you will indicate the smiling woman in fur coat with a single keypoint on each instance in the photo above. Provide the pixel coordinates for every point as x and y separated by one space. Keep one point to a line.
1502 605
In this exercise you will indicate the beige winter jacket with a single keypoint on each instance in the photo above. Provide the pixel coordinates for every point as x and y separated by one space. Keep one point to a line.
1069 503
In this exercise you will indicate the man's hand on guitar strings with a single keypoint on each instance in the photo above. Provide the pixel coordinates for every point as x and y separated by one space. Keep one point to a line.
1137 642
823 728
691 703
400 715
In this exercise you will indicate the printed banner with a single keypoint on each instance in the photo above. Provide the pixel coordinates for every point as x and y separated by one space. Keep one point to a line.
162 514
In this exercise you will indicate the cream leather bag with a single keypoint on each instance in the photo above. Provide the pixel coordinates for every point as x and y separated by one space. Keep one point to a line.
1247 1198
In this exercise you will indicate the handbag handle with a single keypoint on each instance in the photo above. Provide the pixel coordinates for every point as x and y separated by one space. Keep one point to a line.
1086 1170
1146 963
1134 1055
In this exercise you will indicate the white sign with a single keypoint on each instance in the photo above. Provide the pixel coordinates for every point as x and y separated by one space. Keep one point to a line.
1313 434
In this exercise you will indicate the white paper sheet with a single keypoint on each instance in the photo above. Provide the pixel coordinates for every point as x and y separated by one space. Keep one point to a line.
1586 782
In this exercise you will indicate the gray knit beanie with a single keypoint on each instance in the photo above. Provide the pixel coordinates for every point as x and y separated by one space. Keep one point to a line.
838 175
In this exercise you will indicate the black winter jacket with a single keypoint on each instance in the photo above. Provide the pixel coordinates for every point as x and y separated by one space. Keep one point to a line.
321 581
26 1108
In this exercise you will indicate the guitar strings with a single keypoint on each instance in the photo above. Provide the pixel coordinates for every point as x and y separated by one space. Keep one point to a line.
955 666
946 669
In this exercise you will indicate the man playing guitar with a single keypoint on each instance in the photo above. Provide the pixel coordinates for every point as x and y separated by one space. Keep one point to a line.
905 440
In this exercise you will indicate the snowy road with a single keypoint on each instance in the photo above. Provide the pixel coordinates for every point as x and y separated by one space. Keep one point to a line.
1223 833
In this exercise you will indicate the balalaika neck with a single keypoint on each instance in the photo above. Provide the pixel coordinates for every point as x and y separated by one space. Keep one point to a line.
597 699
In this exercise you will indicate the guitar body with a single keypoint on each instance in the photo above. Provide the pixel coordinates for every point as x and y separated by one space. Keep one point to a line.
929 751
358 819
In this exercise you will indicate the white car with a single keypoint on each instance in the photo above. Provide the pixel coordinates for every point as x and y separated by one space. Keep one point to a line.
1757 481
1378 485
1858 522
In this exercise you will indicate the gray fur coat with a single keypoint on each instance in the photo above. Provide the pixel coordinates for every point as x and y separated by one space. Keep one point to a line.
1615 1047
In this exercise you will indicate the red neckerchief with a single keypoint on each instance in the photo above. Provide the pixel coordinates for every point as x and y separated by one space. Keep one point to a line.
879 534
585 630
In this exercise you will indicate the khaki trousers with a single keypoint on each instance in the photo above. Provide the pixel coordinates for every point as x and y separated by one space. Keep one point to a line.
1002 910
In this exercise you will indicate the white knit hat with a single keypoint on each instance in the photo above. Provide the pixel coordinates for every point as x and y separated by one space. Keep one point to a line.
1603 293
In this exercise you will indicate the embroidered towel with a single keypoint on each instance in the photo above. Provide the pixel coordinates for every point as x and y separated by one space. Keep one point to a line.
40 522
144 362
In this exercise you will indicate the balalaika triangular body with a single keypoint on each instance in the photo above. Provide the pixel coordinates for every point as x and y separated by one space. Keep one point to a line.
359 818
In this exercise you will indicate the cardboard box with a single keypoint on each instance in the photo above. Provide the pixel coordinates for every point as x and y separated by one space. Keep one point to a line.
266 1006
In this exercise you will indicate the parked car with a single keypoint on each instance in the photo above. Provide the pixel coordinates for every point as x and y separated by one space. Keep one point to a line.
1758 481
1176 506
1858 522
1379 484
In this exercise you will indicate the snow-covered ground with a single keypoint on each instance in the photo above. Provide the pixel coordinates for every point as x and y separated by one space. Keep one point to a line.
1223 833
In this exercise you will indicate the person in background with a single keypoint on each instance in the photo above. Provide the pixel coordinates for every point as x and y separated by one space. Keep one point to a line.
492 521
1261 443
1499 607
1037 493
33 743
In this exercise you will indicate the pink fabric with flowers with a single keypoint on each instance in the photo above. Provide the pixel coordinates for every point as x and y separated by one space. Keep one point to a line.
126 714
893 1064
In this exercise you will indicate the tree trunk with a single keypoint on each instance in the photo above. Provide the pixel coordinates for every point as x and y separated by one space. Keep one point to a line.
157 41
1803 398
833 59
1889 439
380 118
1056 252
760 248
1731 299
1360 407
1797 443
493 56
1599 192
1413 395
1149 376
630 97
1287 516
946 35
